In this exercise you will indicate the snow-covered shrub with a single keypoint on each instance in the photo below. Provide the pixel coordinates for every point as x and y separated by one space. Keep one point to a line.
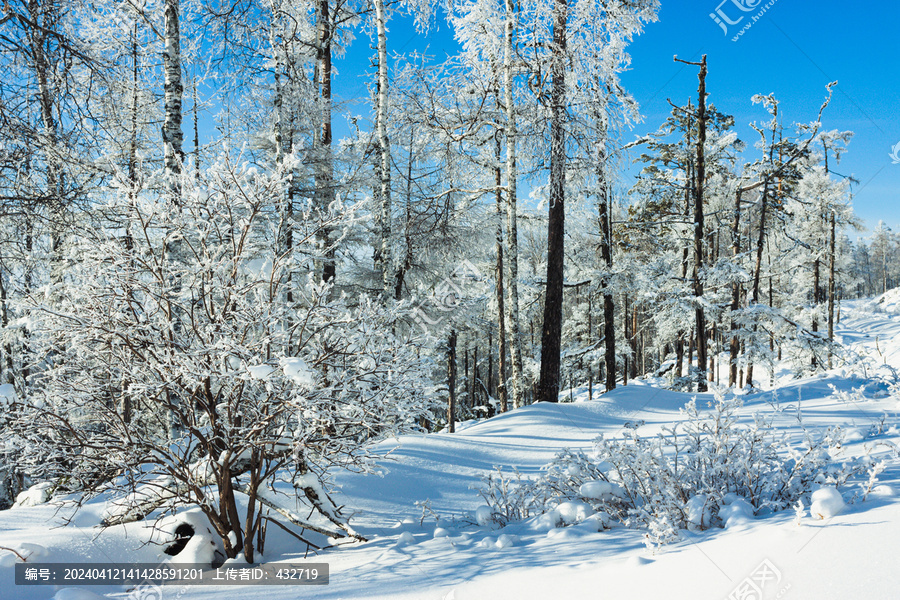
509 498
706 471
200 357
688 474
856 395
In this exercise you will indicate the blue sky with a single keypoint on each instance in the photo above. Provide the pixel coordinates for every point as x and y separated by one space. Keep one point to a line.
793 50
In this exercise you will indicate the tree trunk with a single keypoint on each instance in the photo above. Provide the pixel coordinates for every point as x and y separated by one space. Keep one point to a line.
251 522
757 271
816 301
501 308
451 381
324 158
690 359
406 265
735 292
384 150
626 368
685 252
609 324
125 405
551 333
631 336
173 157
467 379
512 239
473 382
195 109
173 89
490 368
699 230
7 366
40 15
831 286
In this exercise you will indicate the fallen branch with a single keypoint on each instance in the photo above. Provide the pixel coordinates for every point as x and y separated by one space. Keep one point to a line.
296 535
300 522
22 558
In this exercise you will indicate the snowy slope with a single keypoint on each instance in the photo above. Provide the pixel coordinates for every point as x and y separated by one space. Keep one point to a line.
412 554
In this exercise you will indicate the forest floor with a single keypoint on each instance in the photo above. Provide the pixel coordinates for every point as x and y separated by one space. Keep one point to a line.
419 512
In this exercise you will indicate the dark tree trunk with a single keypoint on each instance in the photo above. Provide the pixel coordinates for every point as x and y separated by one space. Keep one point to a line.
631 336
685 253
473 382
551 335
252 520
760 241
451 381
816 302
735 292
699 229
626 367
325 166
690 359
490 361
609 324
465 385
831 290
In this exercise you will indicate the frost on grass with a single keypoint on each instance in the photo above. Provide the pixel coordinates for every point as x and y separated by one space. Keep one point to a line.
707 471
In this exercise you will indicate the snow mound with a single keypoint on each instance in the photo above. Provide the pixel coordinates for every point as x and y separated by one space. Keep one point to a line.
883 491
31 552
546 521
574 511
699 511
735 511
889 302
595 490
200 548
405 539
260 371
484 515
574 470
853 435
36 494
826 503
504 541
297 371
638 561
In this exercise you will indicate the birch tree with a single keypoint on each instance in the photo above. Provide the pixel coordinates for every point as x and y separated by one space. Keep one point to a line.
173 89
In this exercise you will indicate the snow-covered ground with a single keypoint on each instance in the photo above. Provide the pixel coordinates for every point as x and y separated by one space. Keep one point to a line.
419 515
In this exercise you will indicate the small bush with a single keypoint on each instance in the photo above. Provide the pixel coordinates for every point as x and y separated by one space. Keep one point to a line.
696 474
511 498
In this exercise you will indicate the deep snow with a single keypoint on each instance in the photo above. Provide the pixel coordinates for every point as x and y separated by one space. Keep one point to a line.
421 512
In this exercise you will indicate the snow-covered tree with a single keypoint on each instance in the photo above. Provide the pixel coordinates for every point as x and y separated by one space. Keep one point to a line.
163 393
